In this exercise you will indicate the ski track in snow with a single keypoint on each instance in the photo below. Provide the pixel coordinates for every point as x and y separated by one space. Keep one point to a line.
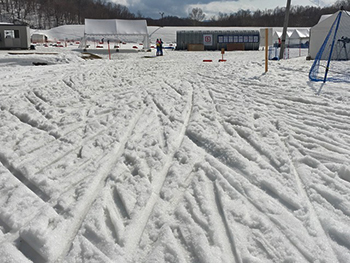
173 160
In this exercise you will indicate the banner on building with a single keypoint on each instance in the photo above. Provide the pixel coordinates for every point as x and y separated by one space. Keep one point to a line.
207 40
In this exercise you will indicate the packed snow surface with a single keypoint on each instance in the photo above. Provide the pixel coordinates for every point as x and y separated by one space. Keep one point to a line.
171 159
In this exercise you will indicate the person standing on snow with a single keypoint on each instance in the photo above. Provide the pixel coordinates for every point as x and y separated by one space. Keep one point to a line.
158 47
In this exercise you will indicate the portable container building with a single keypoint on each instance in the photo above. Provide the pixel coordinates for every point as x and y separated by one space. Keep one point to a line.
216 40
14 36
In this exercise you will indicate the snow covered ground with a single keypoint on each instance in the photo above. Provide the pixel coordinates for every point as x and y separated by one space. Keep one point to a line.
171 159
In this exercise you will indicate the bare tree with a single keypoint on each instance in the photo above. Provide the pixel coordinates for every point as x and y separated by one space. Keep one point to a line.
197 15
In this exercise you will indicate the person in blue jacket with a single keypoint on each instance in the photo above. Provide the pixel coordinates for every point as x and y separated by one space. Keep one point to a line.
158 47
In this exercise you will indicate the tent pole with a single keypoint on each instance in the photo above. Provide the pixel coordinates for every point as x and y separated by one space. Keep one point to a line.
331 52
266 49
109 50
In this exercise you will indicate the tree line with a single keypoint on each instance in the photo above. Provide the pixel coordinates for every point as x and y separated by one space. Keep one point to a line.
300 16
45 14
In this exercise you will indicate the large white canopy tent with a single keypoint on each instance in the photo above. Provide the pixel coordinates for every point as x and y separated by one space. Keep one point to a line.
117 28
319 32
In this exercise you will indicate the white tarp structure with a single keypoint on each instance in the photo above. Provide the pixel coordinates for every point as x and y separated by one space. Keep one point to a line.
299 36
117 28
38 38
294 37
319 32
278 35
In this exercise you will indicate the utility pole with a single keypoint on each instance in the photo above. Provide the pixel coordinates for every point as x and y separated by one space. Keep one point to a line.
285 25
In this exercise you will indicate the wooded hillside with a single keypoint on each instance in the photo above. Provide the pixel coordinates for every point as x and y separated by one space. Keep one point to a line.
52 13
45 14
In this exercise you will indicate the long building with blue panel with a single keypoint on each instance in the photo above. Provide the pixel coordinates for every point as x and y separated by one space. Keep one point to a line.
217 40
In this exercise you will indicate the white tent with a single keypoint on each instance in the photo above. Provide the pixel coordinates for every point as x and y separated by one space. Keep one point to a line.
38 38
294 36
278 35
319 32
299 36
117 28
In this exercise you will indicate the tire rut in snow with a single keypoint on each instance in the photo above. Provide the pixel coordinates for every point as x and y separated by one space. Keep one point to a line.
106 165
22 178
124 217
50 163
230 157
137 226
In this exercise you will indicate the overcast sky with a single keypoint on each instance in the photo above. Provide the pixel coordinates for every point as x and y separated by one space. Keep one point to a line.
182 8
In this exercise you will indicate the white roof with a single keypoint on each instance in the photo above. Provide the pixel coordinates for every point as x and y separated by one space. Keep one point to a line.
323 17
300 33
278 33
115 27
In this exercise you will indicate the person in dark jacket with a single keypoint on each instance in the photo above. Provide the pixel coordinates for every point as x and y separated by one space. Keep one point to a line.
160 47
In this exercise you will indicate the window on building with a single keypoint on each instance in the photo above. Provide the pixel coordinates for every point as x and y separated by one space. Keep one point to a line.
11 33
